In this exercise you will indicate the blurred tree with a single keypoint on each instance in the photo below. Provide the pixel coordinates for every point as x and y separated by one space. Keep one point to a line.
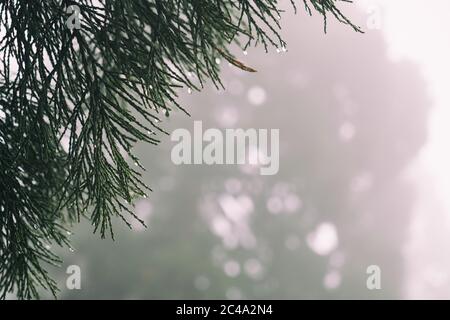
350 121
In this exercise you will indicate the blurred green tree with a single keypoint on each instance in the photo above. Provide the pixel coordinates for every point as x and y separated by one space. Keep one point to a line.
340 202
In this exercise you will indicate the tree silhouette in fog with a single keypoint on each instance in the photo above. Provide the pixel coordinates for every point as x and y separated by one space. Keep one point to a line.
350 121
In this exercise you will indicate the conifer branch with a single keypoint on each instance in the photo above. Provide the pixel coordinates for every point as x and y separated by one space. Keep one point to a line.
74 103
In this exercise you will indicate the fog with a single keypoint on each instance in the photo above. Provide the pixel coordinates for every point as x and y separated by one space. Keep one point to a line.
363 174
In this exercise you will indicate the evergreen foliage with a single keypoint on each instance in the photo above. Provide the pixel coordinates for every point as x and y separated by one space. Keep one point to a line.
74 102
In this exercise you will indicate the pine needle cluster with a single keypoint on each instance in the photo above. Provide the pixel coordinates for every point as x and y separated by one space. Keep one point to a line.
74 101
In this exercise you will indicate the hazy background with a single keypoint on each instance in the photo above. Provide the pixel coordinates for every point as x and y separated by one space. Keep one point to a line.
364 175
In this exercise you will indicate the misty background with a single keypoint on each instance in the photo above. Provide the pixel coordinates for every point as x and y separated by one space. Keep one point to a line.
363 174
